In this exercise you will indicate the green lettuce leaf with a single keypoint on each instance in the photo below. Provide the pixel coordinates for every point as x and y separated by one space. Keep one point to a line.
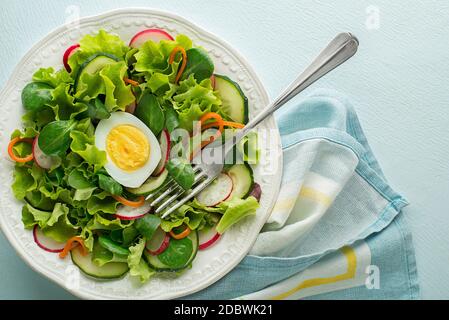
153 57
32 216
52 78
118 94
235 210
137 266
84 146
101 202
193 99
55 224
102 42
64 105
186 214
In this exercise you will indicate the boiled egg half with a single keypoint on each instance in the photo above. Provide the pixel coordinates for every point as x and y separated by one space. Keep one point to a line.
133 151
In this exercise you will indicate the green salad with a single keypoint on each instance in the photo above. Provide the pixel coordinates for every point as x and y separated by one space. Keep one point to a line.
99 135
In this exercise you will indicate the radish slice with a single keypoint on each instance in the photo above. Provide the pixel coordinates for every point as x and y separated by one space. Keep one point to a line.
208 238
164 142
46 243
217 192
130 213
212 81
131 107
256 192
67 55
155 35
41 159
158 243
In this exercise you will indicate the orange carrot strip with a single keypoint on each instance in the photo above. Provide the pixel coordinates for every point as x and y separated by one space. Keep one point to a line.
129 203
78 241
181 235
131 82
13 155
183 64
233 124
212 115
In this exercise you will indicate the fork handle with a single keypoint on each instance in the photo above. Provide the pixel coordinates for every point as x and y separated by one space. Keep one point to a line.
340 49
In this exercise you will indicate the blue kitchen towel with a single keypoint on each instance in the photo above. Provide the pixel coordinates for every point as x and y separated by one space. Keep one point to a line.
336 231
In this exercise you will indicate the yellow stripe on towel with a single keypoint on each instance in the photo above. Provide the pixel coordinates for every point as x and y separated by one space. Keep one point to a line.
350 273
316 196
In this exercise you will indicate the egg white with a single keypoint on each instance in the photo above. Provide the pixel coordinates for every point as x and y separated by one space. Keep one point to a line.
135 178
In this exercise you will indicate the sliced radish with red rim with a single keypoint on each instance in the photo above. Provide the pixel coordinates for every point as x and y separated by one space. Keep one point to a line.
208 238
256 192
41 159
45 242
131 213
131 107
212 81
154 35
164 142
67 54
217 192
158 243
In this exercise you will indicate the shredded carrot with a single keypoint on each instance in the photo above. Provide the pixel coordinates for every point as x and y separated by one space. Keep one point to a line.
183 64
131 82
233 124
71 244
181 235
13 155
129 203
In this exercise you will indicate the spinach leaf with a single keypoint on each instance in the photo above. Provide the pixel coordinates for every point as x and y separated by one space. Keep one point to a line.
109 185
181 170
54 138
112 246
36 95
199 64
147 225
96 110
178 253
150 112
171 119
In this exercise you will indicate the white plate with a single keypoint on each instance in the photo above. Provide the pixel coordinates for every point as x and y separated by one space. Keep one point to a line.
210 265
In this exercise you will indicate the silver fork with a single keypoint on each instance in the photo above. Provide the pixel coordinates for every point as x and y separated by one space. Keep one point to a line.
163 201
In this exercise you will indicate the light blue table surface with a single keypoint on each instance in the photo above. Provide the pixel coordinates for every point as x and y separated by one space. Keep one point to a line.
398 83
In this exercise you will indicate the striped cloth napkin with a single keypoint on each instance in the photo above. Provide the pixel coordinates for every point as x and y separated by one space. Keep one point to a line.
336 231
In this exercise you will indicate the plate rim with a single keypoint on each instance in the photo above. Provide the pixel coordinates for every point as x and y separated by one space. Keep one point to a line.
148 11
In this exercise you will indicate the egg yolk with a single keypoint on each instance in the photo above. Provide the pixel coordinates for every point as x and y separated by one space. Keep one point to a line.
127 147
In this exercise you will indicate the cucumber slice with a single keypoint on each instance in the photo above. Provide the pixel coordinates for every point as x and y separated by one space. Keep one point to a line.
150 185
178 255
243 180
94 64
235 103
111 270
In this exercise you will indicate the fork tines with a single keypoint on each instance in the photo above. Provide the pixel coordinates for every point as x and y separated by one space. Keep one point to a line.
163 201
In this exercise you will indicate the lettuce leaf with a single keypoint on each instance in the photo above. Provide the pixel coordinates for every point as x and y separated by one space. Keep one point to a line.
52 78
153 57
235 210
55 224
64 105
193 100
102 42
192 217
118 94
84 145
102 202
137 266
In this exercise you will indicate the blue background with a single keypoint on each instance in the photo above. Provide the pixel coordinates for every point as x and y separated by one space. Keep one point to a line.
398 83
